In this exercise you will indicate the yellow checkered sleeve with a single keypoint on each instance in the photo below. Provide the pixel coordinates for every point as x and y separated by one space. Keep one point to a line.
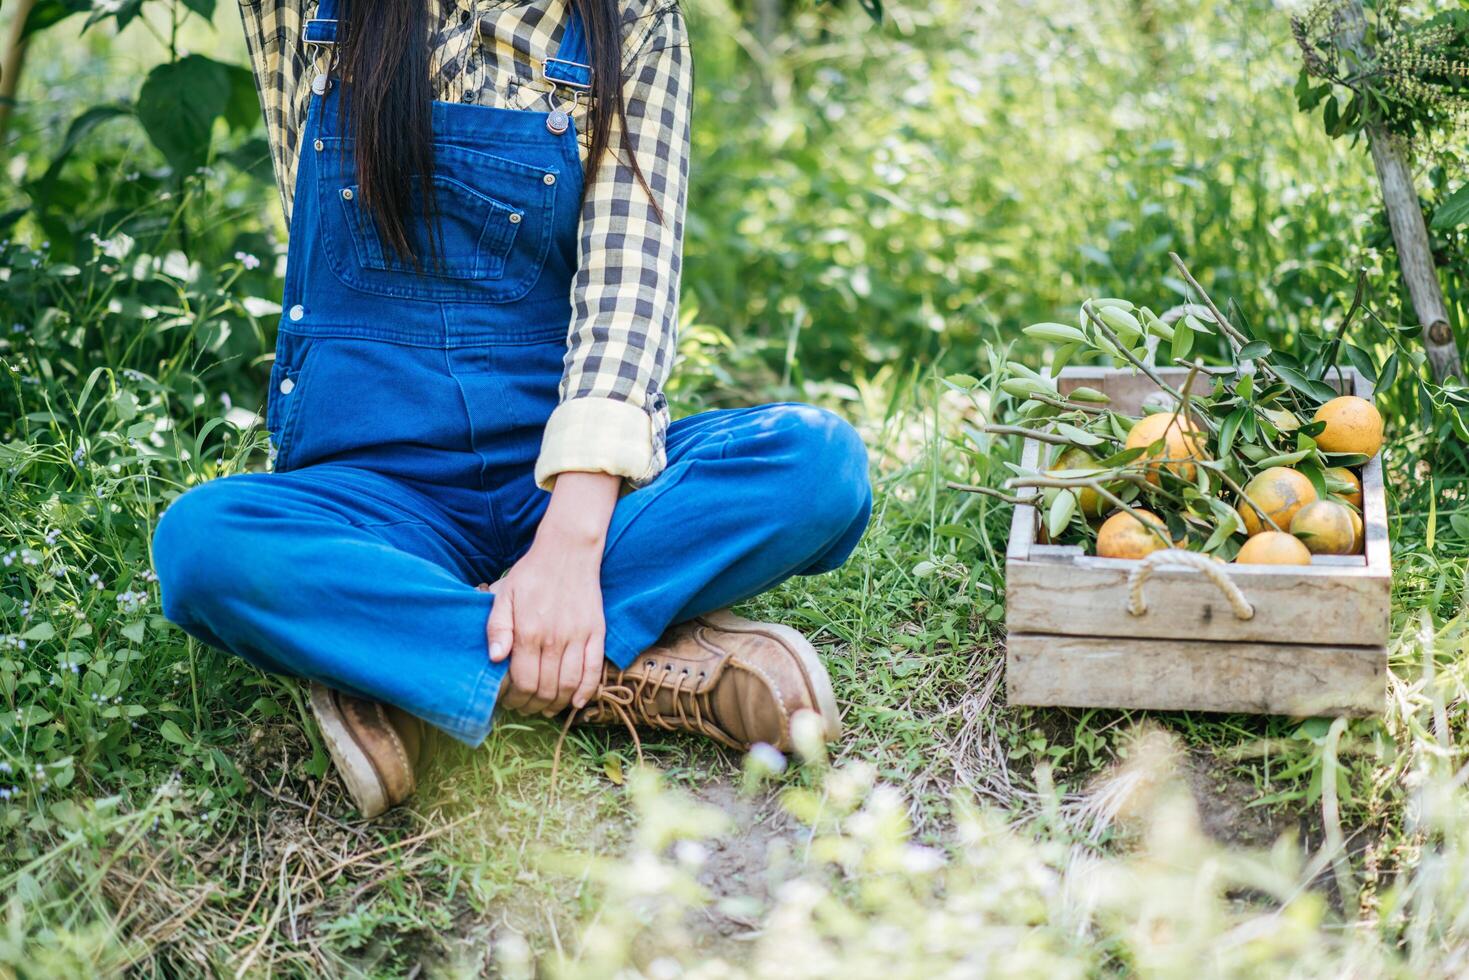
620 341
613 415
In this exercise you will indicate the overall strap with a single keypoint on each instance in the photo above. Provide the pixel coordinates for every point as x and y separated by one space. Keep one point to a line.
321 30
571 65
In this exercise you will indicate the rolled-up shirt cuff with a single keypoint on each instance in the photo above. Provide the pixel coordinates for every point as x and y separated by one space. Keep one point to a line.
597 435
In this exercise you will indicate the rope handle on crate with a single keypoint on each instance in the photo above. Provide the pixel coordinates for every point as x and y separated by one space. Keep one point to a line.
1213 571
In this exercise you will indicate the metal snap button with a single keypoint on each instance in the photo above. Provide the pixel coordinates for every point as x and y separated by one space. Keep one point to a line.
515 217
297 311
287 386
557 121
346 193
320 83
549 179
318 145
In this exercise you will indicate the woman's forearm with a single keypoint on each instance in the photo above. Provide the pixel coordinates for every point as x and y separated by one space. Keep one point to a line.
580 510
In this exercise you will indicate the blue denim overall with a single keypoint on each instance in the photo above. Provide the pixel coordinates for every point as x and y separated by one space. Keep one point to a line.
406 410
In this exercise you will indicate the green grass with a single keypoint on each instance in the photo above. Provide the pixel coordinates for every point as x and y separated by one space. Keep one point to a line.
167 811
205 837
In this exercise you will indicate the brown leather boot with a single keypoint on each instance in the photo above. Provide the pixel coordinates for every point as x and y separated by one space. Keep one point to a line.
737 681
376 747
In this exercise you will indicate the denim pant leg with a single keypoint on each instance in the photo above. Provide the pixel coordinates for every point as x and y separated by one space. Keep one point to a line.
750 497
340 576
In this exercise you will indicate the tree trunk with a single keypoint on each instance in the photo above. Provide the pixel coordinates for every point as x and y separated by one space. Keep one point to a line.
1405 216
12 61
1410 235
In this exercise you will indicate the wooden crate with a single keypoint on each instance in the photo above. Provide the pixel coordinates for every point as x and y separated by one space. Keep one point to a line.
1316 644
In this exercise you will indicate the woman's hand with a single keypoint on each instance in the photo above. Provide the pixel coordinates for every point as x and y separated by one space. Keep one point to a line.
547 616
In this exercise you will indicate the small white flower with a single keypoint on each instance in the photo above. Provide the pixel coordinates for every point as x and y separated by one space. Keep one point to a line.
767 757
690 853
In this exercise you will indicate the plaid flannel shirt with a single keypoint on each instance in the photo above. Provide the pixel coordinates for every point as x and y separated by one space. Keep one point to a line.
612 415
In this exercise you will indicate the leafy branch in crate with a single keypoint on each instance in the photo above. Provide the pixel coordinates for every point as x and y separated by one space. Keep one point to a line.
1253 459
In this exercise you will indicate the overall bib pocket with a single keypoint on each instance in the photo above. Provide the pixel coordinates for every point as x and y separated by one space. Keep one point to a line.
494 229
475 234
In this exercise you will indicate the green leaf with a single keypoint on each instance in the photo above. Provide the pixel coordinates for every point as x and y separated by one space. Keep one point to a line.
39 632
32 714
1229 428
225 765
1063 357
1389 372
1254 350
1197 325
1313 728
1453 212
266 708
1183 338
1362 361
123 11
135 631
48 12
318 764
1317 390
1084 394
173 733
1121 458
178 104
1119 429
125 405
242 111
1316 475
67 813
204 8
1227 522
1060 514
1459 423
1331 116
1058 333
1284 459
1079 436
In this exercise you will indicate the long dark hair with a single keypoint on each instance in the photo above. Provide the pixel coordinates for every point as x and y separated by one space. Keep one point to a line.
385 62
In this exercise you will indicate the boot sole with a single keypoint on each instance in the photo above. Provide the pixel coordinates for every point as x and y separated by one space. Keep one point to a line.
793 640
353 765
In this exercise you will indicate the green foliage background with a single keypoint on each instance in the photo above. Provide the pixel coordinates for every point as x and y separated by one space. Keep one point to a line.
869 204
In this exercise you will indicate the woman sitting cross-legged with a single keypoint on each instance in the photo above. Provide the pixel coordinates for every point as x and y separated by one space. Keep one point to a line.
486 210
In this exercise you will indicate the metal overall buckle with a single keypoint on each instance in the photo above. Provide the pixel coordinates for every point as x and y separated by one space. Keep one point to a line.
568 83
312 42
323 80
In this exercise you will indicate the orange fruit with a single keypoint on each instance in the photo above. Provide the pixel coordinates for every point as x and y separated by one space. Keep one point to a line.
1359 540
1088 501
1326 527
1279 491
1353 425
1124 536
1344 475
1181 439
1273 548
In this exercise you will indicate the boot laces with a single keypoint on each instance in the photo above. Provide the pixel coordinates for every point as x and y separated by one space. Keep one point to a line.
633 700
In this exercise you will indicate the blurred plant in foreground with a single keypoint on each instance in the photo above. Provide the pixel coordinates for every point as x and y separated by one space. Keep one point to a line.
854 895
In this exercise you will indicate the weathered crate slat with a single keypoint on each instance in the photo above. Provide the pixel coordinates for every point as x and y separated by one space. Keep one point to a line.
1326 603
1261 678
1315 645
